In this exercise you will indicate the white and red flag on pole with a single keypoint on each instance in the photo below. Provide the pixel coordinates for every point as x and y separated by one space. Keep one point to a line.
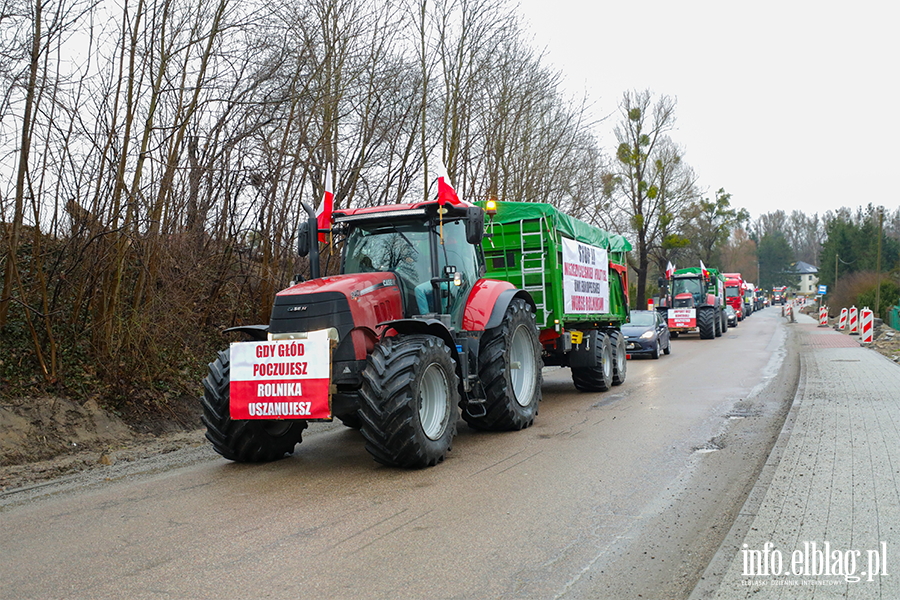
670 270
323 213
703 270
446 193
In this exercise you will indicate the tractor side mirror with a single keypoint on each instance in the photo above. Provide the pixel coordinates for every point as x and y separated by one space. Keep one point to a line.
661 282
303 239
474 225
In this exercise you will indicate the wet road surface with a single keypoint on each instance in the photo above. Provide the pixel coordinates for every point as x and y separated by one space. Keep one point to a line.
608 495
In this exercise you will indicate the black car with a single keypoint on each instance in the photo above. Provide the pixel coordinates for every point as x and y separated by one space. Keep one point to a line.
732 316
646 332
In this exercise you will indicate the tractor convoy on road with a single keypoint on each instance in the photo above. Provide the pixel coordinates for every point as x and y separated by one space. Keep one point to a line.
440 309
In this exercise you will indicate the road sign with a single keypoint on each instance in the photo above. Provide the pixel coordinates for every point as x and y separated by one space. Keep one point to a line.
823 289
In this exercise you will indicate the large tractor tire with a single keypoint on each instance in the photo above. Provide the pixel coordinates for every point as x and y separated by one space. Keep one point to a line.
409 401
724 319
509 366
717 323
619 355
706 318
243 441
599 378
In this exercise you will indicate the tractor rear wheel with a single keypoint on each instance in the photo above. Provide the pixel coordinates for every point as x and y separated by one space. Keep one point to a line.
619 354
599 378
509 366
408 401
706 323
242 441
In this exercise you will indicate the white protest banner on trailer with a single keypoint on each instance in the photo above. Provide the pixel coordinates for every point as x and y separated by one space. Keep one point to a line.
585 278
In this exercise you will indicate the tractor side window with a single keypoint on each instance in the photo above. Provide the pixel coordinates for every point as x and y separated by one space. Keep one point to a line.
457 252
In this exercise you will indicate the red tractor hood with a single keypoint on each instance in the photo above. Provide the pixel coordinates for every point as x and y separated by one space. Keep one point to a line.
373 298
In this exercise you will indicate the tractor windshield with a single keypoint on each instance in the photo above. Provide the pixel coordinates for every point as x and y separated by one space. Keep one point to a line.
406 249
403 248
692 286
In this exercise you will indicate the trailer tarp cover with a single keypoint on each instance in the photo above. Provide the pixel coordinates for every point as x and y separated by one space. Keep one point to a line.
510 212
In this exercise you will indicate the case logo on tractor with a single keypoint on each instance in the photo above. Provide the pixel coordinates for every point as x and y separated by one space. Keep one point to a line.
286 379
682 317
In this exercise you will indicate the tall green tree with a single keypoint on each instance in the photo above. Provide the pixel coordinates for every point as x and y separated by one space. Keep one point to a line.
710 225
852 240
775 258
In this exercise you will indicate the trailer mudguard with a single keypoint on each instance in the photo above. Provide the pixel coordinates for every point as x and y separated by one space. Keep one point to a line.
584 354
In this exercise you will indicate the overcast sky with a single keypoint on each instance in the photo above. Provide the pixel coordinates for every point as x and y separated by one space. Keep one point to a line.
787 105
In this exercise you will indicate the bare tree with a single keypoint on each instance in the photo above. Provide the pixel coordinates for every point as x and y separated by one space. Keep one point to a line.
641 134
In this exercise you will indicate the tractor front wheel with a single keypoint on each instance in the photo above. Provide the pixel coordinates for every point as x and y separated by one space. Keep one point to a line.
706 318
242 441
509 366
408 401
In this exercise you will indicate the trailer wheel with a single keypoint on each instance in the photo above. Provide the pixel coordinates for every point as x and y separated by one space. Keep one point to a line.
619 354
408 401
242 441
599 378
509 366
706 323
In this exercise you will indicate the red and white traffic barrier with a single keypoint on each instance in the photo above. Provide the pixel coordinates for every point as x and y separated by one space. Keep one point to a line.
823 316
866 318
842 322
854 322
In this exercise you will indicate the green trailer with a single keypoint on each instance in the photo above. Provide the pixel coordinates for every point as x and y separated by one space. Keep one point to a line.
577 276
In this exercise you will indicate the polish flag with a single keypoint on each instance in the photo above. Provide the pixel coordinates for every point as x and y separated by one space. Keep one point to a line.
703 270
670 270
446 193
323 213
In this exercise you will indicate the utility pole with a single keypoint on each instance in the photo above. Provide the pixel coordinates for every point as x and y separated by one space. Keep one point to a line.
878 262
836 257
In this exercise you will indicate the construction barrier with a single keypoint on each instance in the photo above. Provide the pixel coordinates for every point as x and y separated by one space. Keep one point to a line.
823 316
842 322
854 323
866 317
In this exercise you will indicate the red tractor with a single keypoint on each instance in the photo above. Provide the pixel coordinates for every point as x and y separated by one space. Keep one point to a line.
407 335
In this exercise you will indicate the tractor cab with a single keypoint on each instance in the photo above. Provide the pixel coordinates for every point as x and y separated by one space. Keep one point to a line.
687 291
433 252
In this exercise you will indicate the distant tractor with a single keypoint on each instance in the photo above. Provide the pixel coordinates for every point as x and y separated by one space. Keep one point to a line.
695 303
407 335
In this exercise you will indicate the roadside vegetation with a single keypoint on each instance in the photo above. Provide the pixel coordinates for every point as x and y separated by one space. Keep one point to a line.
155 155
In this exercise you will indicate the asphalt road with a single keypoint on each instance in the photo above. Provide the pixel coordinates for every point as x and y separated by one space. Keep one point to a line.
610 495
